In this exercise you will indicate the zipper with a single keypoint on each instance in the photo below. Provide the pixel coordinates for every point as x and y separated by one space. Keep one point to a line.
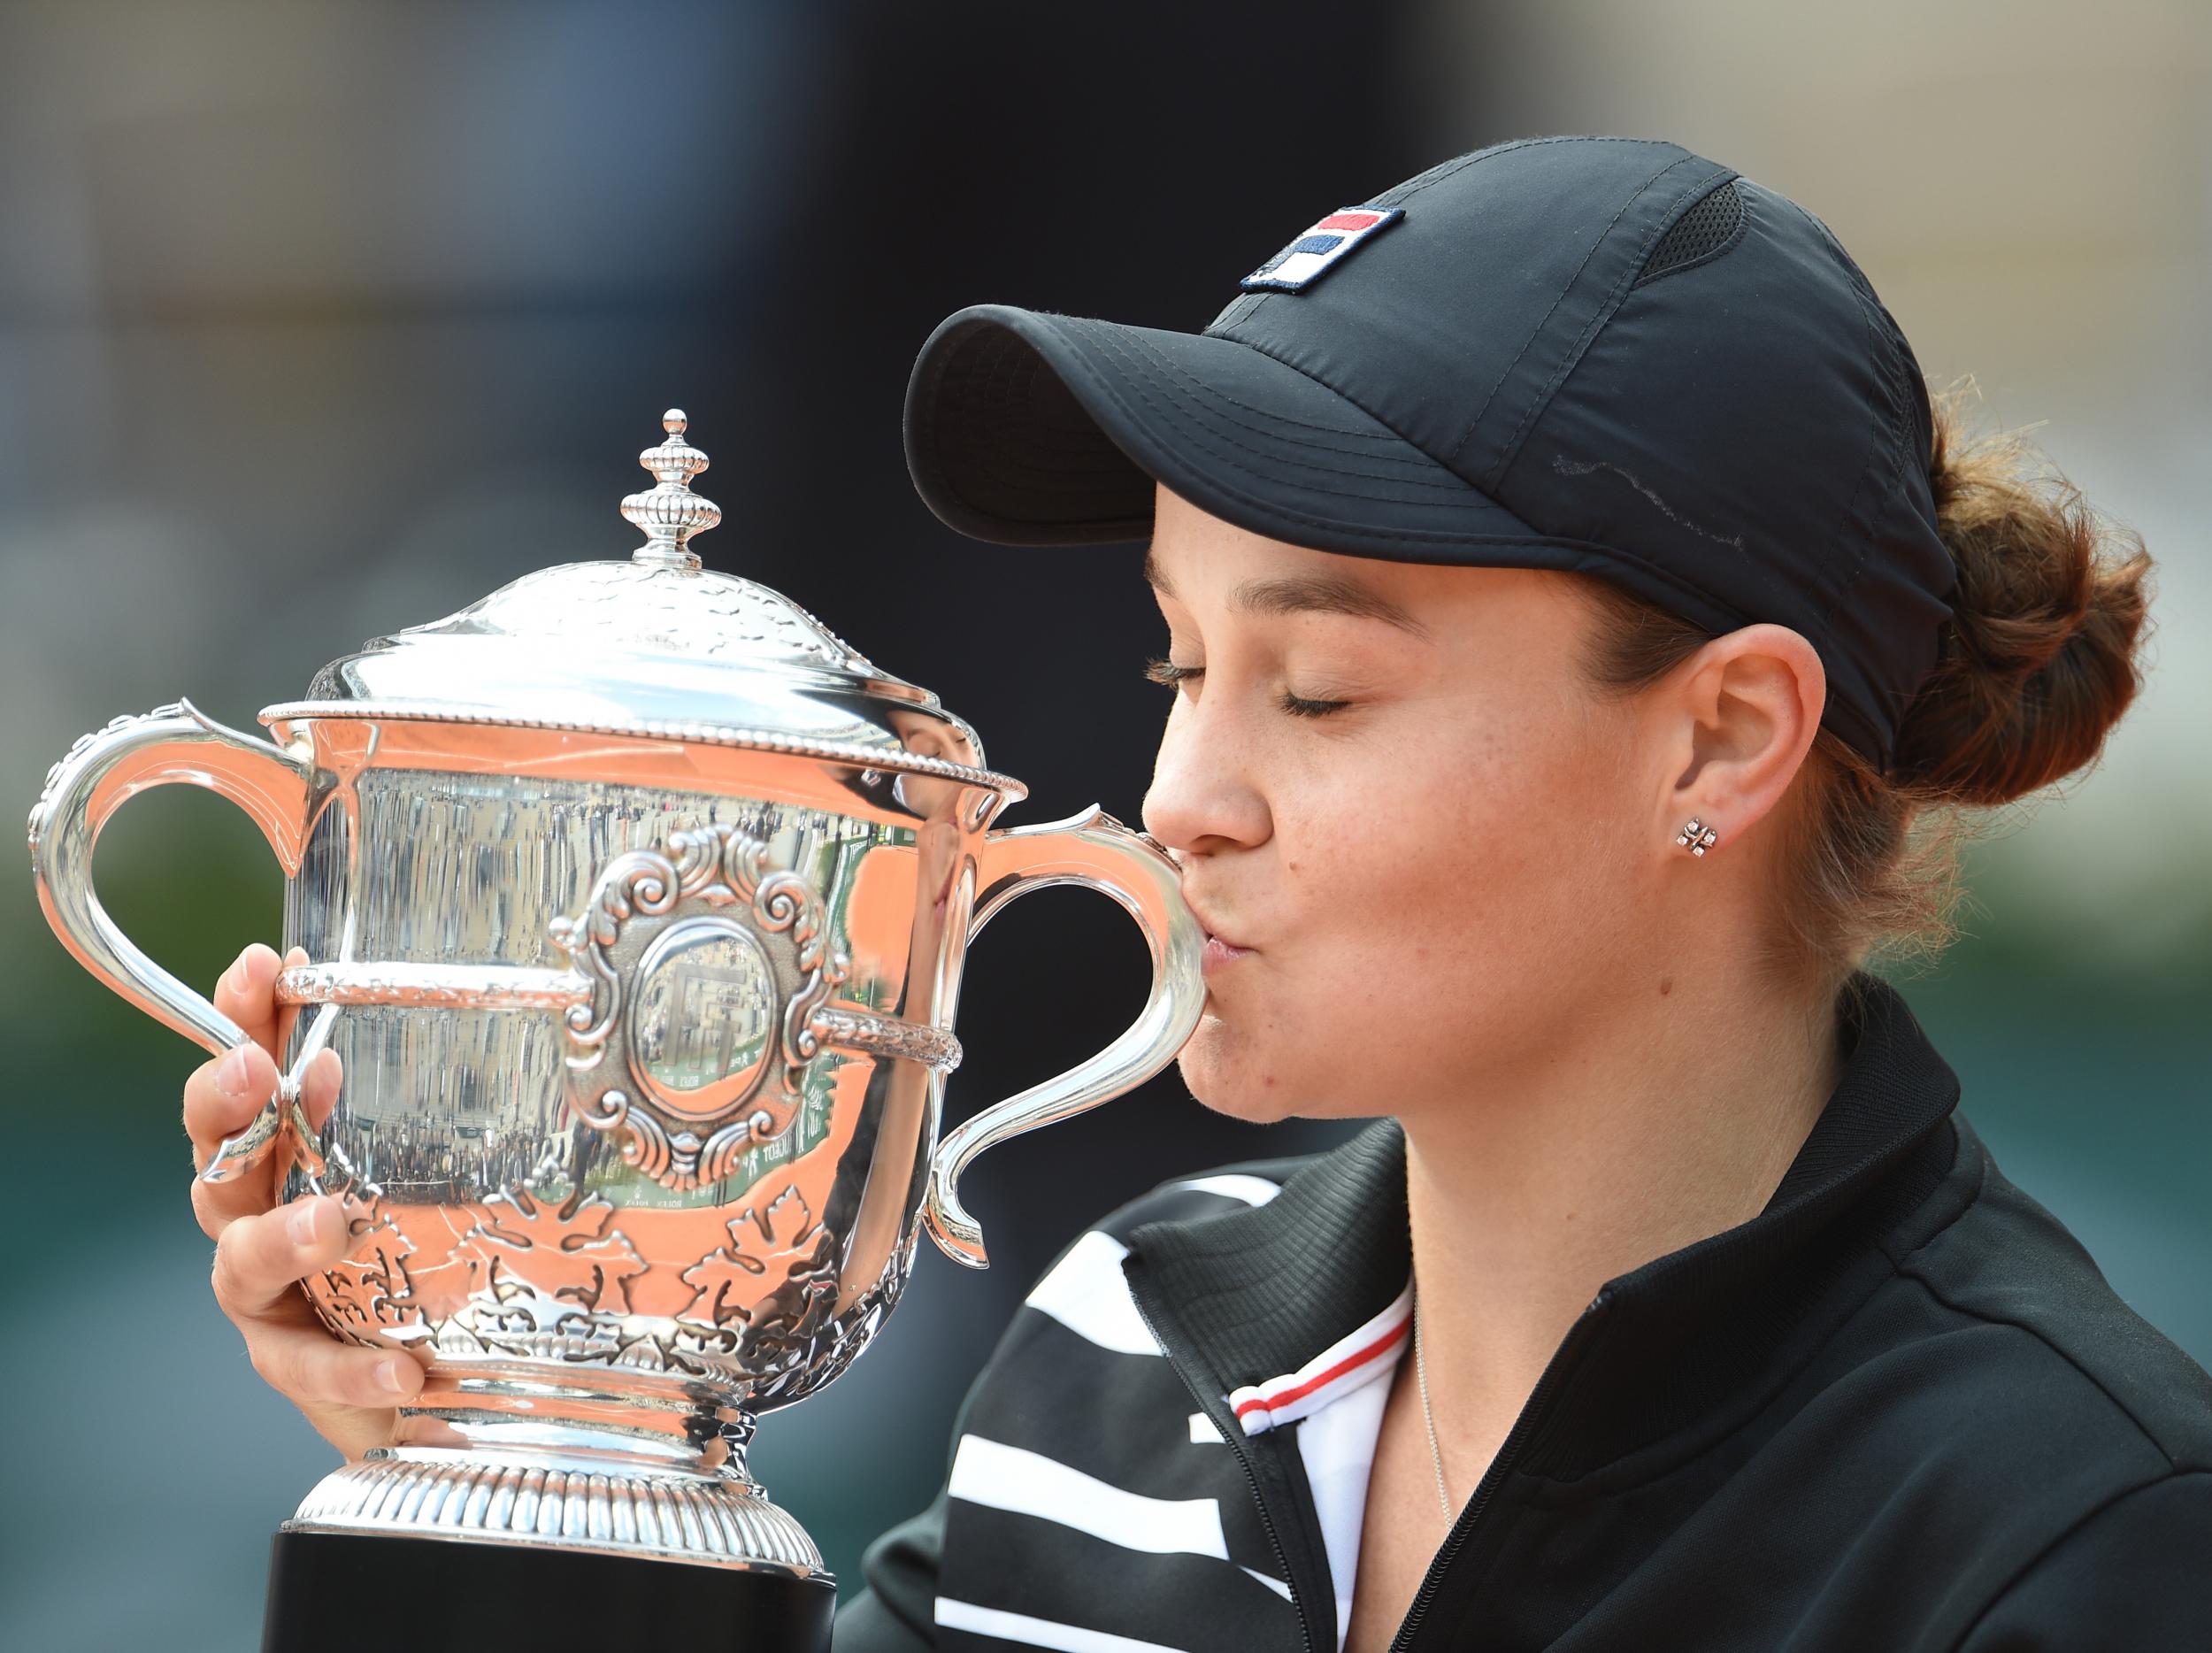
1523 1426
1233 1432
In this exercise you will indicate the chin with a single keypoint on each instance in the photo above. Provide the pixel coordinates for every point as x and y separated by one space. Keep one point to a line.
1234 1083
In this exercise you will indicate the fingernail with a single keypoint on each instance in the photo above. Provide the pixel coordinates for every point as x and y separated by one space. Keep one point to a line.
387 1377
300 1222
230 1077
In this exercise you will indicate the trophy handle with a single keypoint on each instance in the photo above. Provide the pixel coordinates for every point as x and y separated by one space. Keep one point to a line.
101 771
1093 849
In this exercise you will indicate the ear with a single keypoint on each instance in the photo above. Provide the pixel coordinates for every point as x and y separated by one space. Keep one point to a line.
1739 717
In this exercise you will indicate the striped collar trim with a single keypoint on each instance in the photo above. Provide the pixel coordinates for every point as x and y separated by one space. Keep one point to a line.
1353 1360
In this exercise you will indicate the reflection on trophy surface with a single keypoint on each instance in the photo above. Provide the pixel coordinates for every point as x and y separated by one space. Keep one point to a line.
635 904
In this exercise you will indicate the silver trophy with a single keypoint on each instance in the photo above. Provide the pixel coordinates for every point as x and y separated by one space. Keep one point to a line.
637 904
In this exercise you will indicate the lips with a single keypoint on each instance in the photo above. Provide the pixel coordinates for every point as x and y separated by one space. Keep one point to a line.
1213 930
1217 956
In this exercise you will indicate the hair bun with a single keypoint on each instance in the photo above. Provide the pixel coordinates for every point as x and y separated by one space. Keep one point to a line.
2040 657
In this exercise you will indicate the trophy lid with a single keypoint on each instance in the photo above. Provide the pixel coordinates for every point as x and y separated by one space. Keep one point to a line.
658 646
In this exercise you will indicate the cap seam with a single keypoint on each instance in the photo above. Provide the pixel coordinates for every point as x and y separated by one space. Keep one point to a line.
1878 358
1875 726
1258 349
1437 175
1385 435
1559 298
1603 313
1244 304
1207 441
1454 483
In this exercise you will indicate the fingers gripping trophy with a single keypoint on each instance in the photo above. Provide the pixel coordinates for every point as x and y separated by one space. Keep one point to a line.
633 903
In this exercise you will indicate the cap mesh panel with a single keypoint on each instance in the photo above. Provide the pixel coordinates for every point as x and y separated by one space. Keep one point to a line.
1696 232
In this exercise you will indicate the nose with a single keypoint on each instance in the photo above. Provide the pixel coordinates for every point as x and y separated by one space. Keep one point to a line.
1204 795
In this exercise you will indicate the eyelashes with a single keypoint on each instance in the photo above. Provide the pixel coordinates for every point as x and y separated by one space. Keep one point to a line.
1169 673
1166 672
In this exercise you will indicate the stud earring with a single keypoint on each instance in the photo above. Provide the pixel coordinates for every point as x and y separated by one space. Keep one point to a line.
1696 837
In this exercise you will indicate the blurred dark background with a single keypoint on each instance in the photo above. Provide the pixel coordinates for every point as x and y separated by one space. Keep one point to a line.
317 322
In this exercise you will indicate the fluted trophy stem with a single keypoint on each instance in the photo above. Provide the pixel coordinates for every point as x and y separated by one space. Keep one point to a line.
632 1464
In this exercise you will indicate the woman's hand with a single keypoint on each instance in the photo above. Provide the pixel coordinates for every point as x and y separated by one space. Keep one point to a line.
349 1393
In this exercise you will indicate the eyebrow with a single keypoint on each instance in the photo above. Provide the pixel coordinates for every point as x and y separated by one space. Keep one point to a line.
1303 594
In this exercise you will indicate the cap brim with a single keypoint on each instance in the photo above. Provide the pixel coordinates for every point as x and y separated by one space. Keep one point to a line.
1029 429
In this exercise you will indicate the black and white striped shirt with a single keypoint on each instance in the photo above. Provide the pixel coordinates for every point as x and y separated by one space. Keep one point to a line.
1899 1408
1147 1472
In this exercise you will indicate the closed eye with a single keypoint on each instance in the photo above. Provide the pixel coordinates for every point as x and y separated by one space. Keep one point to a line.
1168 673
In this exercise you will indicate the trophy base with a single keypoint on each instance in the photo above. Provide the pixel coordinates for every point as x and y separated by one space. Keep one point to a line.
589 1499
347 1592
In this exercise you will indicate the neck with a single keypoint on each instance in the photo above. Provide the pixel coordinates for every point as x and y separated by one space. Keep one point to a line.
1665 1124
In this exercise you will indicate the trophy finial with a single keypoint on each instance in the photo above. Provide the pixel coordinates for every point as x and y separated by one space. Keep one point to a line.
670 513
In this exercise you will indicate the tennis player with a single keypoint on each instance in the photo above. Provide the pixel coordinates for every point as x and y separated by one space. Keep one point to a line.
1588 641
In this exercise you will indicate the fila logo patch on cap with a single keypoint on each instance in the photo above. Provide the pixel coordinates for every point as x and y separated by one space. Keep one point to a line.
1321 249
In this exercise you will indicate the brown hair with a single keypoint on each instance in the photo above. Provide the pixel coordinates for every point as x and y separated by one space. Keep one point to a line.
2031 673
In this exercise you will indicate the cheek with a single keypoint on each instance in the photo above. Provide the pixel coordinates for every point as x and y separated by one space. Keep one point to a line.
1498 872
1440 901
1435 906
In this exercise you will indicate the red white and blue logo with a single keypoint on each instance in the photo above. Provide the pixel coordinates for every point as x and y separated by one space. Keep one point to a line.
1321 249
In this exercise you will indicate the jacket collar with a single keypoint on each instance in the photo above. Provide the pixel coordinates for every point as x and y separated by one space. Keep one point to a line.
1259 1293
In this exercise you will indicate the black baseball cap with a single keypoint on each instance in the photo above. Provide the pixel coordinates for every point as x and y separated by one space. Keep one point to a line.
1601 354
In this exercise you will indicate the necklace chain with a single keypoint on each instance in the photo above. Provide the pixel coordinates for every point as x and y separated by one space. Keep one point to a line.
1428 1415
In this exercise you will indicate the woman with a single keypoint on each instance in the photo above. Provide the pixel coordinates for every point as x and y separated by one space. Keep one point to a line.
1583 629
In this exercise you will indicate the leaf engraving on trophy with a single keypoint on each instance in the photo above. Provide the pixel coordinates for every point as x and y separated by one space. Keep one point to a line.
794 1345
779 1243
370 1287
522 1247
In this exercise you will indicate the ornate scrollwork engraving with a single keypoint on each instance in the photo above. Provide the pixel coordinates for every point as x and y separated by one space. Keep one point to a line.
691 1002
678 1160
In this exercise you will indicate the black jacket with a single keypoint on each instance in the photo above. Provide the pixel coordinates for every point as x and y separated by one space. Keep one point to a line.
1900 1408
